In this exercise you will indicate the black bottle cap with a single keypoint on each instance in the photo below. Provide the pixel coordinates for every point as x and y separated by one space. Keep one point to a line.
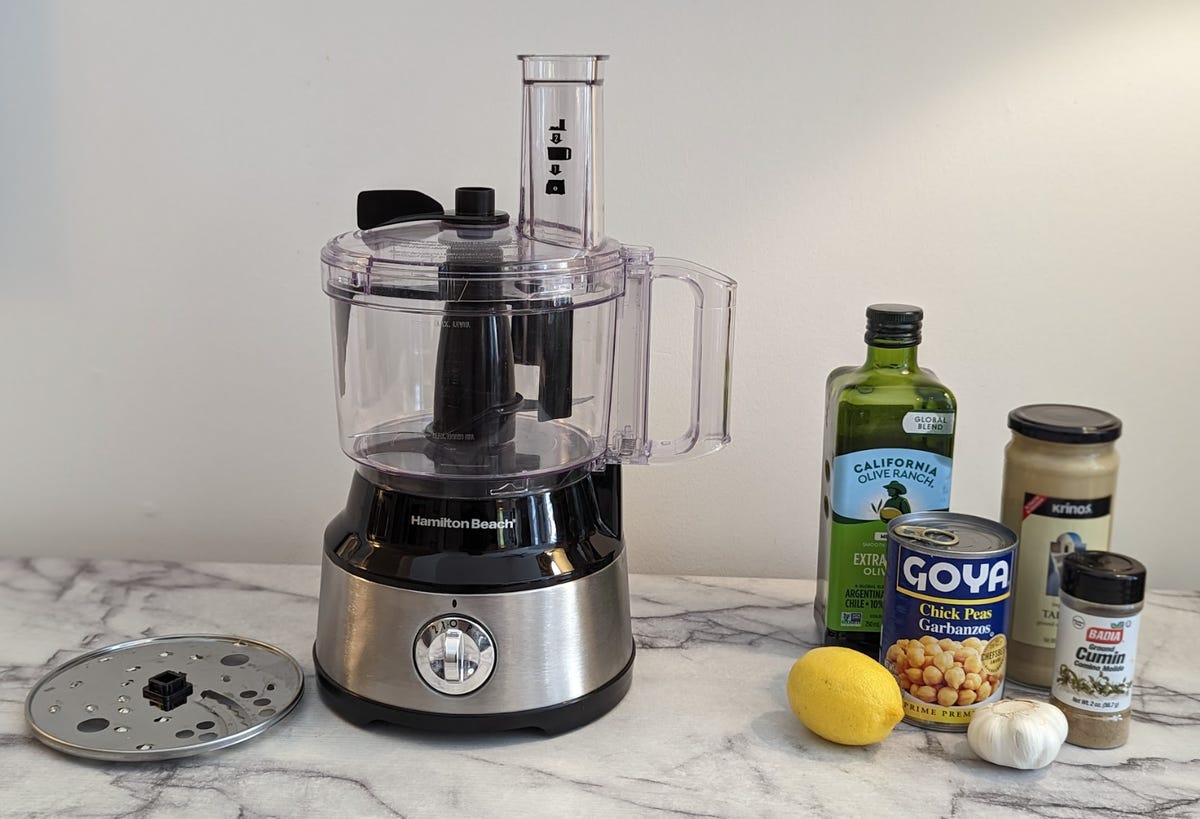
1065 423
899 325
1103 577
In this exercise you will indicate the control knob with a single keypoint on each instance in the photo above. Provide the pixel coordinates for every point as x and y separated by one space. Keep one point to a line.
454 655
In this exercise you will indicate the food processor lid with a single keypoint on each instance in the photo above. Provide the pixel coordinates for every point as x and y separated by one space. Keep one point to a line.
164 697
408 248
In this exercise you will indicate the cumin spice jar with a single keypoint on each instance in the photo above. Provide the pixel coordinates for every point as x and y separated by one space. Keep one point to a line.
1100 601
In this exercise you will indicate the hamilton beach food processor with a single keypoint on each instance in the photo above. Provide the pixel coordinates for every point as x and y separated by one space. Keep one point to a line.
492 380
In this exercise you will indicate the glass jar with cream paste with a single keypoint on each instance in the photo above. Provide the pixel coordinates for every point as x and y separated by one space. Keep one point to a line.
1060 478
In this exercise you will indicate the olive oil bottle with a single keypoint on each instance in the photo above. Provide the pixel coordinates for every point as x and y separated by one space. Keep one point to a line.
889 440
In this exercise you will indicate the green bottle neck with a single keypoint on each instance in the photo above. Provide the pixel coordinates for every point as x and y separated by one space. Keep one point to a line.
902 359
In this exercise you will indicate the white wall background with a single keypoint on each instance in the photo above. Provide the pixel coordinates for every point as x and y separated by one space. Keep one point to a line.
1028 172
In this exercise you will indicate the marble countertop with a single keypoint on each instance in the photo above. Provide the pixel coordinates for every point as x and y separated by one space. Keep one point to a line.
705 730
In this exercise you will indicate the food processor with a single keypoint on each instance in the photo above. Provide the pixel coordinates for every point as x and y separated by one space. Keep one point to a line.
492 380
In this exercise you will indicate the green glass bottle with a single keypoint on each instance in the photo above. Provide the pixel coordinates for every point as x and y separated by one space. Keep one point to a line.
889 441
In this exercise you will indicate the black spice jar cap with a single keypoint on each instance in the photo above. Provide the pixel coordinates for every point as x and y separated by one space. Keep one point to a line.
1103 577
1065 423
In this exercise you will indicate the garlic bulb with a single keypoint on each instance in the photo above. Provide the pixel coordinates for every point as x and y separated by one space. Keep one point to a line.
1017 733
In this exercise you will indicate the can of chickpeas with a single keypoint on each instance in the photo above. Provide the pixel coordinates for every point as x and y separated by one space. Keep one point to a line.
946 614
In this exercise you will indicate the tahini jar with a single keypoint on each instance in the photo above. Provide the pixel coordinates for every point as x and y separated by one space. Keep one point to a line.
1060 478
1100 605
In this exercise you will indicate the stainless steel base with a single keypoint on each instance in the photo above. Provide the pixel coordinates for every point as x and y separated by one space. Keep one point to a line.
552 645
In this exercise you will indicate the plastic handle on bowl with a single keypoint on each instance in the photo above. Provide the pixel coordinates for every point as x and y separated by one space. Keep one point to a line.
712 361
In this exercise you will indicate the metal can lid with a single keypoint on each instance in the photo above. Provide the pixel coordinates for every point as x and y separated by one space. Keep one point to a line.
1103 577
952 532
164 697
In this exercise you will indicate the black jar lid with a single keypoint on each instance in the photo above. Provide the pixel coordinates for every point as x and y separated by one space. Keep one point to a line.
1065 423
1103 577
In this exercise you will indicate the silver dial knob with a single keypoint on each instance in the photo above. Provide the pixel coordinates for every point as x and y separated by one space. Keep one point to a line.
454 655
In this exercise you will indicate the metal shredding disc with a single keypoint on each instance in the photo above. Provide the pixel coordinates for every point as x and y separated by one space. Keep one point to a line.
102 705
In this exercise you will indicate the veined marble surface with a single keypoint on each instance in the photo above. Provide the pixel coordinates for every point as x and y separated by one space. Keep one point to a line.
705 730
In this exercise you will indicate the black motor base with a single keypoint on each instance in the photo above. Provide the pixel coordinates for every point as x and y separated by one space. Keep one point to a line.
556 719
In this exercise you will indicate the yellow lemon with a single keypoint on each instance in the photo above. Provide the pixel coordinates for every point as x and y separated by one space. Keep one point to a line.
844 696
